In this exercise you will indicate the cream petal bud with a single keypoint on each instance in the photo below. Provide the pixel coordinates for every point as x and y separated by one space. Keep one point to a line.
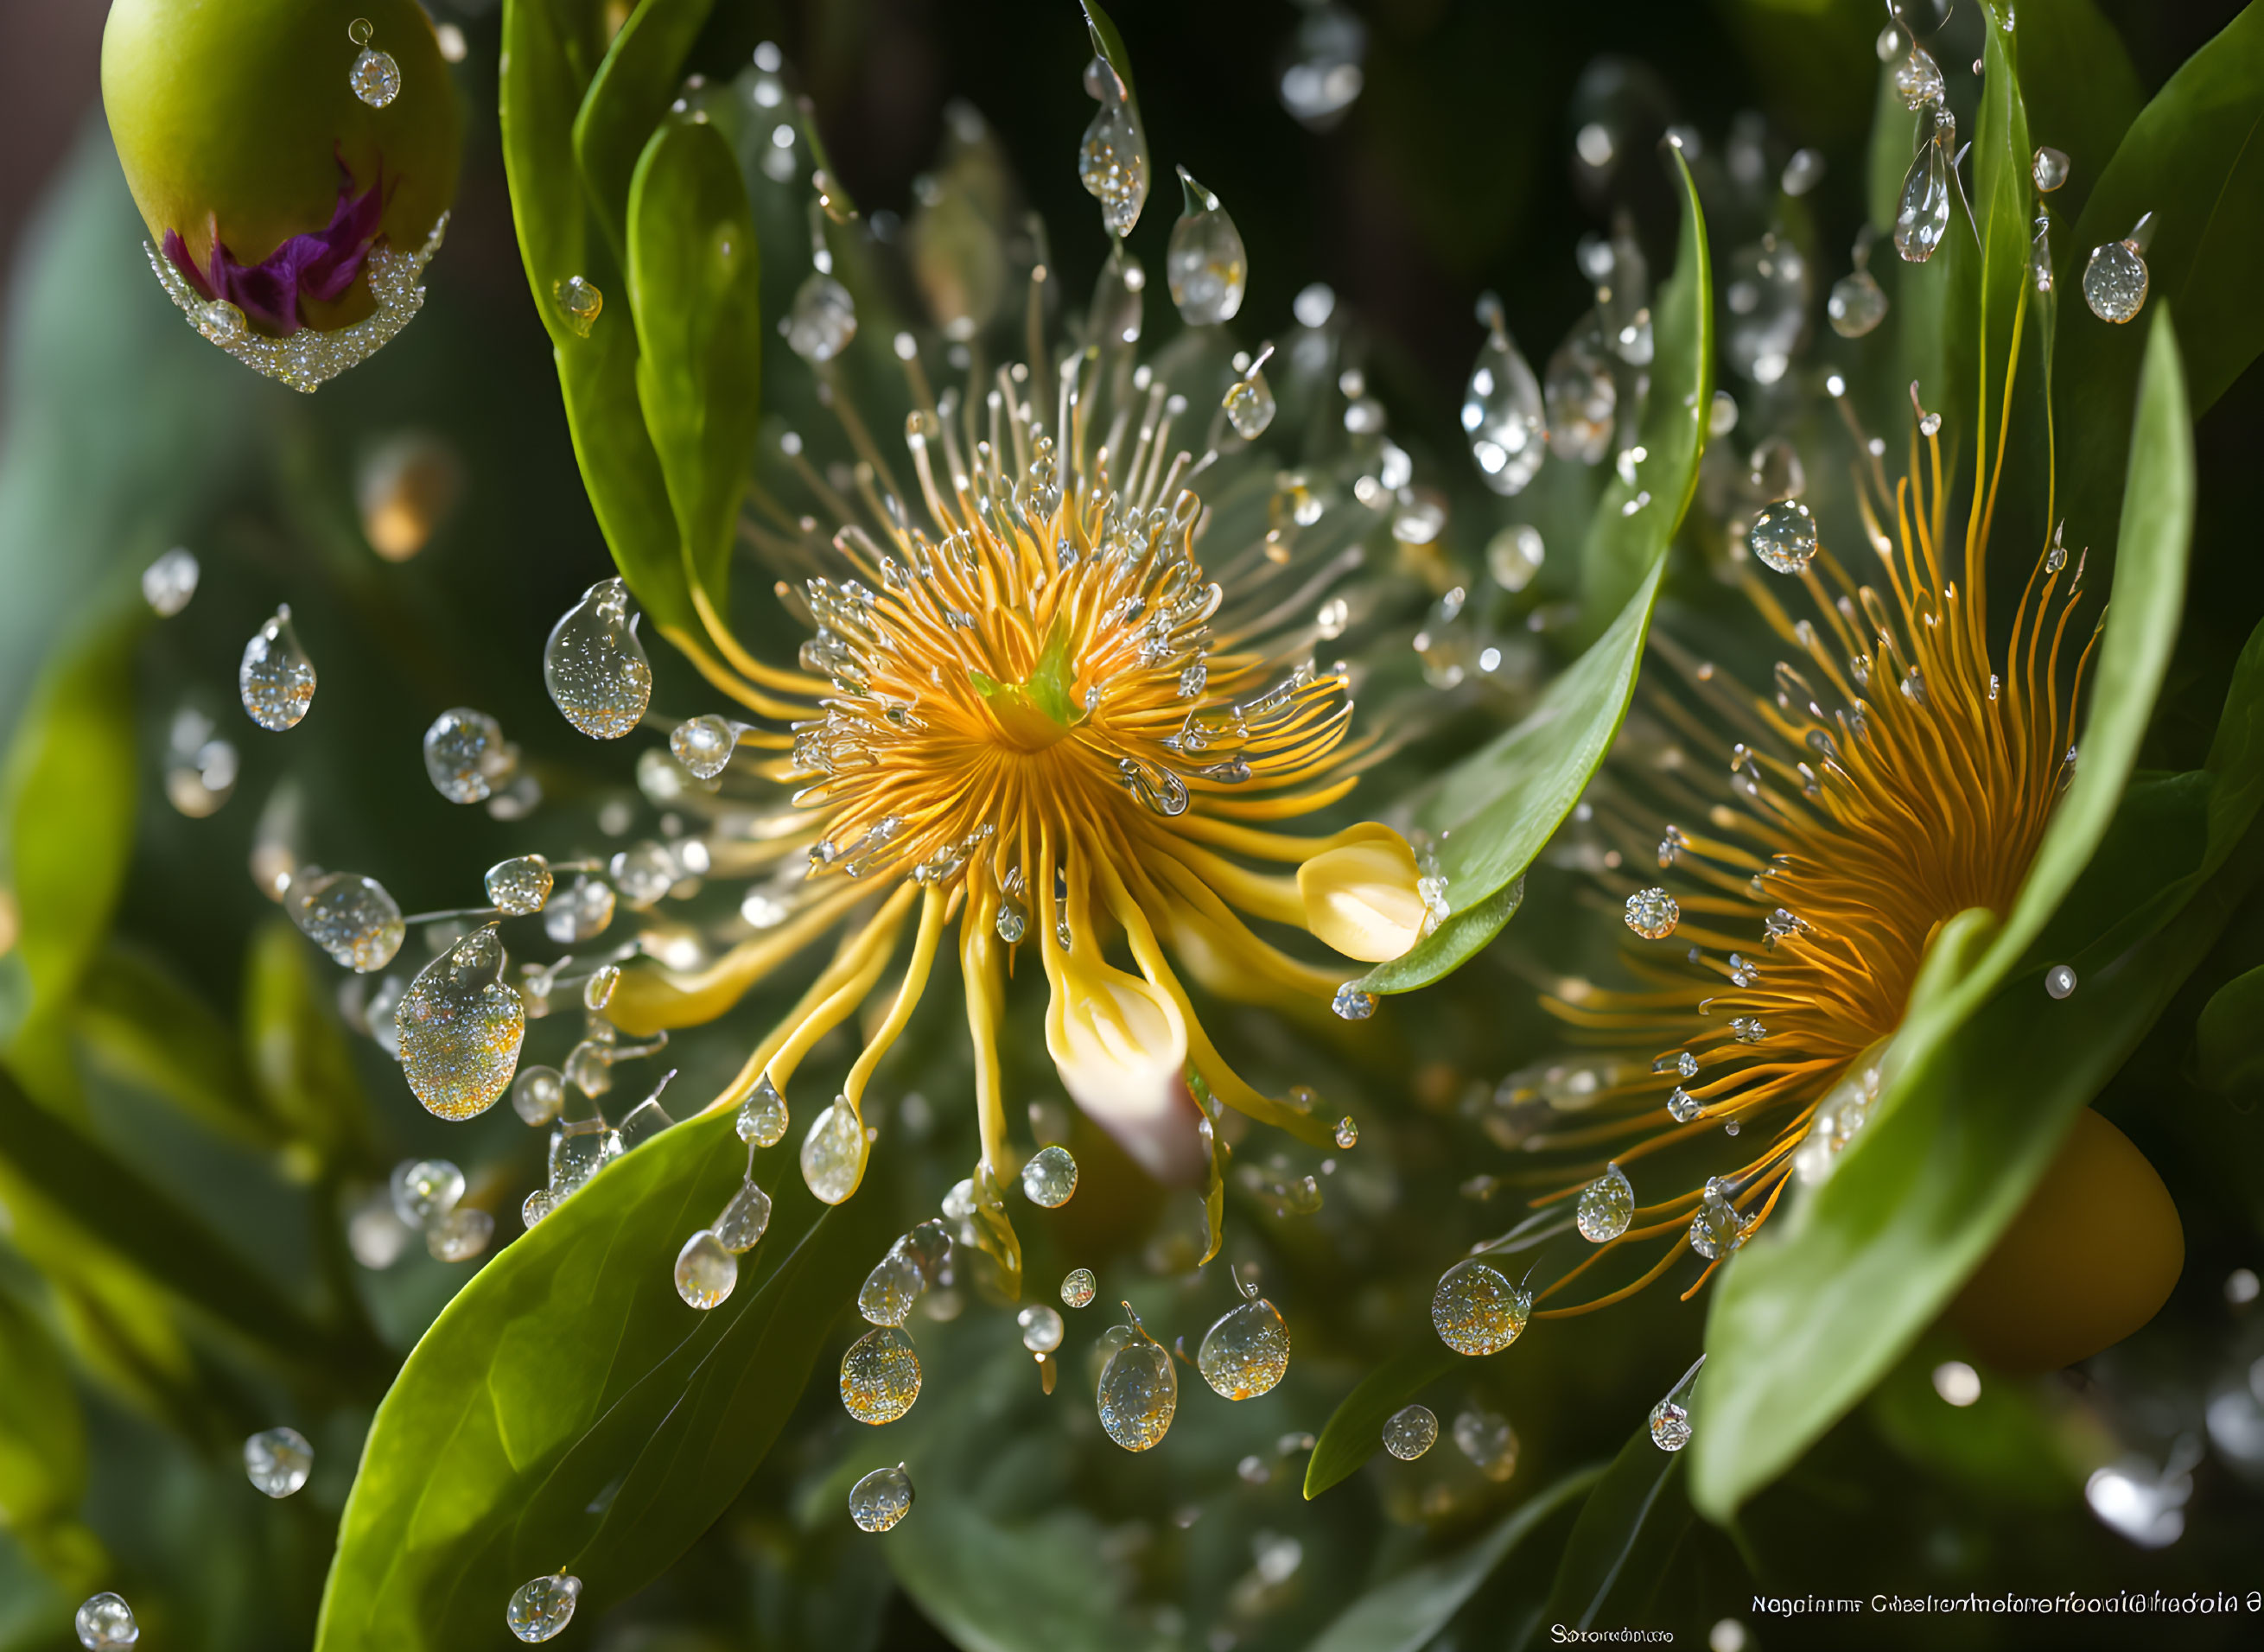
1120 1046
1361 898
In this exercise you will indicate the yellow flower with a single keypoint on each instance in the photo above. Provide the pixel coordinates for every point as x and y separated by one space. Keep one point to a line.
1027 708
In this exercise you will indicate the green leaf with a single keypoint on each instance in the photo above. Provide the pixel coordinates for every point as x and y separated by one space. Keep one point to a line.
1635 520
1109 44
1828 1297
2236 754
2229 1038
568 1410
2081 91
2003 161
546 49
1405 1614
113 1205
299 1055
1894 136
139 1022
42 1451
1495 809
627 99
1354 1430
1623 1538
2194 158
695 284
70 797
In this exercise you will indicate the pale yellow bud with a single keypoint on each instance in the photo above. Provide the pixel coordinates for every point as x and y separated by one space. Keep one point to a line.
1121 1046
1361 898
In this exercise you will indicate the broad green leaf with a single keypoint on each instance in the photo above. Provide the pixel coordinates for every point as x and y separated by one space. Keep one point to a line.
695 286
298 1057
1354 1430
627 99
111 1205
549 49
139 1022
567 1410
2229 1038
1405 1614
2002 1448
1495 810
1623 1538
2081 91
2194 158
69 790
42 1451
1830 1294
1635 520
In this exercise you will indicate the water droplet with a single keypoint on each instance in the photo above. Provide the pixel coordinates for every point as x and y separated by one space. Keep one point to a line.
467 756
2050 170
105 1622
594 666
459 1236
521 885
1746 1030
893 1286
537 1095
823 321
740 1227
1857 304
705 1271
833 1152
1012 920
1138 1390
1682 1107
705 744
1579 393
169 583
1042 1328
762 1119
880 1375
1917 79
1514 555
1246 1351
1503 414
1111 162
2059 981
543 1607
1477 1310
426 1190
1347 1132
1078 1286
579 302
276 678
1352 1005
278 1460
1250 404
1922 215
1652 914
1890 44
1323 76
1410 1432
1607 1206
598 990
881 1499
1488 1440
1050 1177
1206 265
579 1148
348 916
374 77
1670 1426
1784 537
1766 297
460 1028
1717 1229
536 1206
582 913
2114 280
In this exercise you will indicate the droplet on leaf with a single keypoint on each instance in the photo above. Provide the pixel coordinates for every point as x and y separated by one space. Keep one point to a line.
541 1608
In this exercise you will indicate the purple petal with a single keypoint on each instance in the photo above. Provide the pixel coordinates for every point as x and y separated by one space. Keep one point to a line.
320 266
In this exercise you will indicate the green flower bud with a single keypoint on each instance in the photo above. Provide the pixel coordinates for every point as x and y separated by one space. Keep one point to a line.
261 173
